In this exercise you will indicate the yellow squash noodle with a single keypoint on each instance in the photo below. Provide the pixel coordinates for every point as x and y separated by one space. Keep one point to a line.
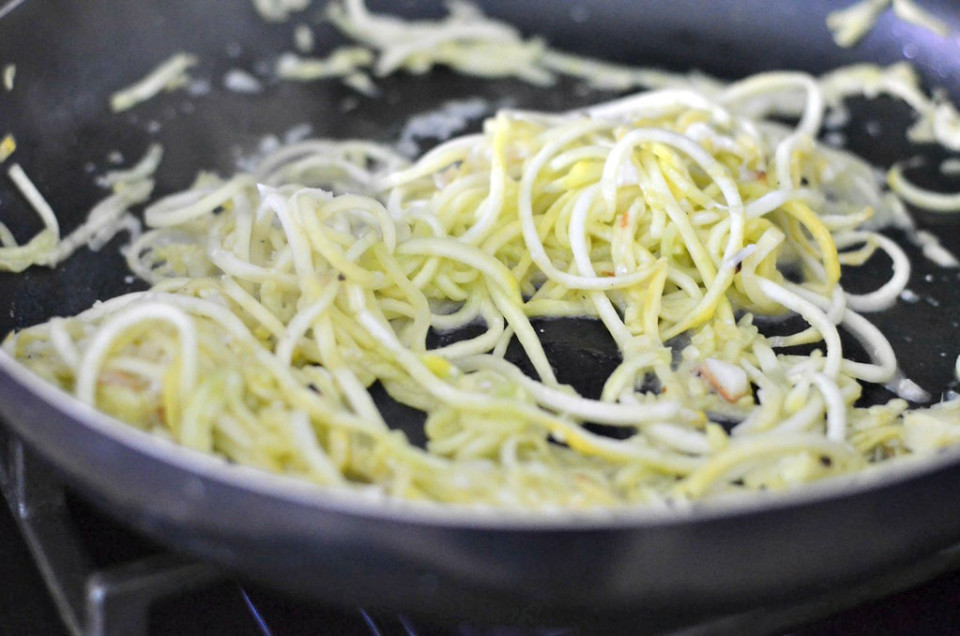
280 298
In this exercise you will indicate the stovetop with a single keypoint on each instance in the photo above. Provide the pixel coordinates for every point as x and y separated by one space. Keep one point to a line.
70 570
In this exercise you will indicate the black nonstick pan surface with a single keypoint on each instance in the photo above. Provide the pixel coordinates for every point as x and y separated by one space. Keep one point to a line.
71 55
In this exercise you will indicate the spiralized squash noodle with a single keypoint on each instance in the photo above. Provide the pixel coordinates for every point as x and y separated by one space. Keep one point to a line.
279 298
683 219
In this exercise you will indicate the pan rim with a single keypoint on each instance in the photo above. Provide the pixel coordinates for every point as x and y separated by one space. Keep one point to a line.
376 505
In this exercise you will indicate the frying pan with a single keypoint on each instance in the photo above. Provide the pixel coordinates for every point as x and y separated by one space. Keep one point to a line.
669 567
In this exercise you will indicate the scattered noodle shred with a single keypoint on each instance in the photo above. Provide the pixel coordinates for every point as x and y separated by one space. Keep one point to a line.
851 24
169 75
279 10
911 12
103 222
8 146
9 74
342 62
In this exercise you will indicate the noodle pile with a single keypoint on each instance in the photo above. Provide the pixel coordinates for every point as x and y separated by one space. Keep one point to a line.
683 222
